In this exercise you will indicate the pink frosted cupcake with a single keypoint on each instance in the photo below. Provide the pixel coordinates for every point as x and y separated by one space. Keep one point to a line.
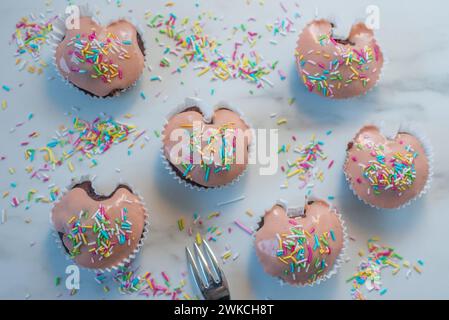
338 68
301 249
213 152
386 173
101 61
100 232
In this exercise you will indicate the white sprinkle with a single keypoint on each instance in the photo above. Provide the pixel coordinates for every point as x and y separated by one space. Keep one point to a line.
4 216
220 204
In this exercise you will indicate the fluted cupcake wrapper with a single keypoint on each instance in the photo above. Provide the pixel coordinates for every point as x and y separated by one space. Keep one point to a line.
341 257
334 20
59 31
207 111
124 261
390 132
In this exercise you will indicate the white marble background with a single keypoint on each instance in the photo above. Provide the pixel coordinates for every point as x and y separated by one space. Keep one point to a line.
415 37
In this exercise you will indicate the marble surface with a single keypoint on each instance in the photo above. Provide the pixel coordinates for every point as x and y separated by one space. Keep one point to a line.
415 38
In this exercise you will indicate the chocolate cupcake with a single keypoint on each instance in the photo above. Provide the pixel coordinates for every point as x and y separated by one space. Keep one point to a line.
338 68
387 172
101 61
206 151
100 232
301 247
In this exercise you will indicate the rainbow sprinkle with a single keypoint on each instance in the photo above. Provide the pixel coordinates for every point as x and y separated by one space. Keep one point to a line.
87 139
397 173
98 55
197 47
108 233
217 155
130 282
305 165
296 249
369 271
30 38
331 76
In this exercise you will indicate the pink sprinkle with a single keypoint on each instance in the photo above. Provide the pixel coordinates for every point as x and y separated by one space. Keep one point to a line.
330 164
15 202
354 159
165 276
243 227
359 180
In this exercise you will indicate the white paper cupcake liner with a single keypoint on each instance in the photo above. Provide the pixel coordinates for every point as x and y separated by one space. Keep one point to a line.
335 21
59 31
207 111
126 260
390 132
341 256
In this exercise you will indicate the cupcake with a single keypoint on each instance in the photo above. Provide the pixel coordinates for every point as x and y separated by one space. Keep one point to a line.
100 232
338 68
300 248
206 153
101 61
383 172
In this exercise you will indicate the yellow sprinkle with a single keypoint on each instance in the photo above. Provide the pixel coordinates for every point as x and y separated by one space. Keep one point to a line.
205 70
391 263
361 253
199 240
150 284
49 155
71 167
4 105
406 264
395 271
355 71
186 296
249 212
281 121
12 170
227 255
72 219
417 269
181 224
5 194
291 174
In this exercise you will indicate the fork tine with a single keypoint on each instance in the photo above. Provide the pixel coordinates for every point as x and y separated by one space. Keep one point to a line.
208 251
204 266
195 271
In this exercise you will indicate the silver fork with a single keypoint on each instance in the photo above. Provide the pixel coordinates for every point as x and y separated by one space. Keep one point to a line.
213 286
